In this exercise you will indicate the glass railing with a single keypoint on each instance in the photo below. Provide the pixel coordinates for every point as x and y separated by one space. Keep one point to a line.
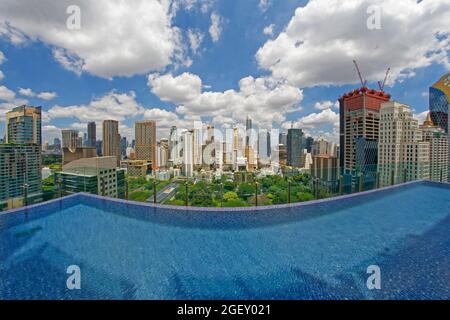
243 189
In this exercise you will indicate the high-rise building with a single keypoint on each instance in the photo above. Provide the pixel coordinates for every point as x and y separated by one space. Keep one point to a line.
264 147
323 147
295 147
163 153
70 139
23 125
248 128
145 135
309 141
123 147
91 134
20 158
402 153
283 138
20 169
439 102
188 153
111 139
359 114
438 141
440 107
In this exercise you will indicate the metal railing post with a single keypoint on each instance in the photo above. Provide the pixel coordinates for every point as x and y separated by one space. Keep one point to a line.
154 191
289 191
126 189
392 177
361 182
25 194
256 194
186 200
341 185
221 194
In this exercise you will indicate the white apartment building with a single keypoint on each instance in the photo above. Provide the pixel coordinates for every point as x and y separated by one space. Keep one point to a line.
402 153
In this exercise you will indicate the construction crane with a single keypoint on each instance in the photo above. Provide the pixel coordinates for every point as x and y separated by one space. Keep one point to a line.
381 85
363 82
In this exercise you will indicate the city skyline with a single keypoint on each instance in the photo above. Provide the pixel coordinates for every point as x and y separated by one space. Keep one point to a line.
74 88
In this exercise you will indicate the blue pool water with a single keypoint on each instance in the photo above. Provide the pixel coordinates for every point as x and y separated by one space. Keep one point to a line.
313 251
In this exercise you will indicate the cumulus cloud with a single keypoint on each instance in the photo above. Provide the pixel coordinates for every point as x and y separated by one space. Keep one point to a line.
266 100
2 59
322 38
216 28
7 94
116 38
27 92
317 120
323 105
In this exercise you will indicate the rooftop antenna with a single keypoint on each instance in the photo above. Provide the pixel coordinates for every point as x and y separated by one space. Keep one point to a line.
363 82
381 85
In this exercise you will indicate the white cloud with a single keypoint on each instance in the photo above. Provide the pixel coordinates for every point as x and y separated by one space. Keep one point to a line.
264 5
323 105
323 37
27 92
421 116
269 30
178 90
216 28
7 94
266 100
2 59
117 38
316 120
47 95
113 105
195 40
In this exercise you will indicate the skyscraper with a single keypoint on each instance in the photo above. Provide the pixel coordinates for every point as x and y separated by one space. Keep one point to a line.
111 139
91 134
295 146
248 128
440 107
402 153
70 139
20 158
145 135
23 125
359 115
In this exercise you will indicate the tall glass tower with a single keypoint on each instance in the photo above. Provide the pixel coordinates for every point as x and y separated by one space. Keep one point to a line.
439 102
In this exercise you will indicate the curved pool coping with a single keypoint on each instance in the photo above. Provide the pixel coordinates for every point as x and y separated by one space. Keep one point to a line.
223 209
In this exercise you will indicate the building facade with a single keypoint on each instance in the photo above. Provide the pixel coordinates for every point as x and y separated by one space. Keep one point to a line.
111 140
145 135
295 147
91 134
438 140
23 125
20 168
402 153
359 116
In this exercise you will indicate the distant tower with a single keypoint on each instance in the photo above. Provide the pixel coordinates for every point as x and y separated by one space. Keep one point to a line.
91 134
111 139
145 134
23 125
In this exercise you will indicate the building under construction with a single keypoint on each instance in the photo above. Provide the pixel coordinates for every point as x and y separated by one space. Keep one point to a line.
359 126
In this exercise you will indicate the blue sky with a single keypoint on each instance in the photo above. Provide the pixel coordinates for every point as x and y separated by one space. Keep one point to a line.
298 70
